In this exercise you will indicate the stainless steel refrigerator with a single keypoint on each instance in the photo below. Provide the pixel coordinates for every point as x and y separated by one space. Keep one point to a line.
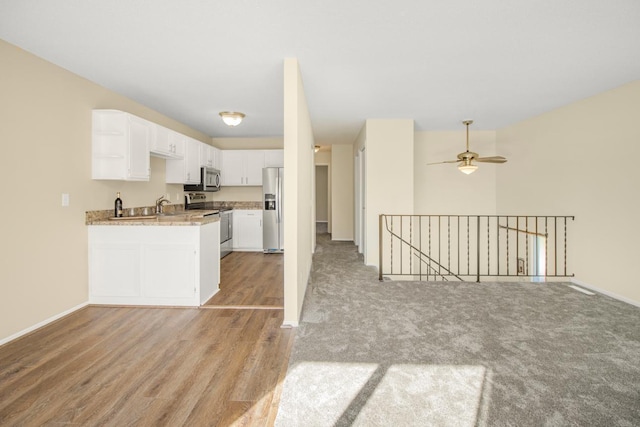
272 212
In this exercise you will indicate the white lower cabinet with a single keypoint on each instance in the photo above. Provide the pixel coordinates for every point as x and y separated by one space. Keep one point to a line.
247 230
154 265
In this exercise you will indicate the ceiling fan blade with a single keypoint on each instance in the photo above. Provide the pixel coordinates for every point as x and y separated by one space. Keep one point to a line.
447 161
493 159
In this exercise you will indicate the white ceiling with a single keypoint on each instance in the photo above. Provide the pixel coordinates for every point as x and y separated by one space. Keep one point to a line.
435 61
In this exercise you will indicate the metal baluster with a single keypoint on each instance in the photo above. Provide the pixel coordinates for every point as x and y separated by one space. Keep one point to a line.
526 242
546 245
507 233
449 242
478 249
555 241
498 244
468 254
488 247
429 270
458 246
565 245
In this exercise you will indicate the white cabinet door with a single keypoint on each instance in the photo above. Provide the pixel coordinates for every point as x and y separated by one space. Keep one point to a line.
242 167
217 157
114 270
120 146
232 172
166 143
176 144
192 158
170 270
206 156
139 141
186 170
273 158
247 230
254 165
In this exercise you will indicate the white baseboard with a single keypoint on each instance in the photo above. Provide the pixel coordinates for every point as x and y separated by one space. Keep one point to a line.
43 323
289 324
607 293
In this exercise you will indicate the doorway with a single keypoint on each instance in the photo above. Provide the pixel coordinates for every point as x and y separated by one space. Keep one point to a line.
322 199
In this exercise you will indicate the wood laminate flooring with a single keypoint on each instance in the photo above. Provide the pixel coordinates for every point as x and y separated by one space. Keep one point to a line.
147 366
250 280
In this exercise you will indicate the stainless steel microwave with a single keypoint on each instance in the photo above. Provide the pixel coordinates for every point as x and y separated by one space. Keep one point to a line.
209 181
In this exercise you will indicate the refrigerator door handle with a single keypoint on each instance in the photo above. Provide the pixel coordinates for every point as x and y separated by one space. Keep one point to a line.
278 207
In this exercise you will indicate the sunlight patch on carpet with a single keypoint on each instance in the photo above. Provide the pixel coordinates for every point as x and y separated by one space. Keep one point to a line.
419 395
325 390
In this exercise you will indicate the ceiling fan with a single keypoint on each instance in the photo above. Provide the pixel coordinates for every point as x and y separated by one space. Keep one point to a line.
467 158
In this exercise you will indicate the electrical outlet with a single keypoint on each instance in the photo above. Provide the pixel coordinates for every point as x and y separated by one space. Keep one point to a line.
520 265
65 199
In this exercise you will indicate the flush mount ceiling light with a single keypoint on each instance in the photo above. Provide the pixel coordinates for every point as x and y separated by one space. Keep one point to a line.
468 158
231 118
316 148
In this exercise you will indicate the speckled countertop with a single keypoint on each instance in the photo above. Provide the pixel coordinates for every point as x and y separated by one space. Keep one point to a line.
175 215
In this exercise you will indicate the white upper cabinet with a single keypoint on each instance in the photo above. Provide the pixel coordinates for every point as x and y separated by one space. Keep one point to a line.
186 170
242 167
208 156
166 143
255 163
217 157
232 172
120 146
273 158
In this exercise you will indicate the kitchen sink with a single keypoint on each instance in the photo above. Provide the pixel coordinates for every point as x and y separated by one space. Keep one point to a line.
174 217
134 218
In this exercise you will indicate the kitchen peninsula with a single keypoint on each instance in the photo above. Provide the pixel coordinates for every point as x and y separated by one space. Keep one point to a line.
162 260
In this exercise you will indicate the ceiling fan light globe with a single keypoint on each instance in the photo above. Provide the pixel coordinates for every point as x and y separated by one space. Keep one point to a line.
467 169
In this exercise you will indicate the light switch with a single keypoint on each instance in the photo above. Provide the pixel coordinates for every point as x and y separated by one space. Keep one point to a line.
65 199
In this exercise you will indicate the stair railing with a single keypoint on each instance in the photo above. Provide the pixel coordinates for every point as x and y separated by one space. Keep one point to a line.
443 247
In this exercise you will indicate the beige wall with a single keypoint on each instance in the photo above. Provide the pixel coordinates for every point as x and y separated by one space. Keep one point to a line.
298 188
342 203
389 175
443 189
46 139
581 160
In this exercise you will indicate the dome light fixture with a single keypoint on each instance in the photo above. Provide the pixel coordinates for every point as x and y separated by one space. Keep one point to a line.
231 118
316 148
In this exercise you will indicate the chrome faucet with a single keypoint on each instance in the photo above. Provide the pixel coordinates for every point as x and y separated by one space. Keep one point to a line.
160 204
